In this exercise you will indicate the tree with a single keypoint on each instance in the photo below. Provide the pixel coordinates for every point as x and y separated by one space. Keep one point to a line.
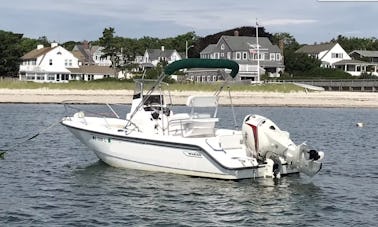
354 43
295 62
285 40
69 45
44 41
11 52
111 46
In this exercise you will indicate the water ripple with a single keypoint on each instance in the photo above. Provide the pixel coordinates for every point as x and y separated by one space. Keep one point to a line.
56 181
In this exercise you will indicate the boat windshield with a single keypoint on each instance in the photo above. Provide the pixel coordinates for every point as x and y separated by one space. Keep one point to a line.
143 86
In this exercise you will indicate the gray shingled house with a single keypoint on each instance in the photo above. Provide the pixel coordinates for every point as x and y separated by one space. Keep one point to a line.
243 50
366 55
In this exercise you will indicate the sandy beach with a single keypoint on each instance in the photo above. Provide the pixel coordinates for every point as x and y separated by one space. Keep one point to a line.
298 99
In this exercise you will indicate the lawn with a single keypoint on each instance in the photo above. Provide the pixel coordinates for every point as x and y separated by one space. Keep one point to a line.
119 85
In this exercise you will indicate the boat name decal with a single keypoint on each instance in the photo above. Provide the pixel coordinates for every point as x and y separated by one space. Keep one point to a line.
193 154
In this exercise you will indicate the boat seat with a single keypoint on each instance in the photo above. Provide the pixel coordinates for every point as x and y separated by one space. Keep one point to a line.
194 124
230 142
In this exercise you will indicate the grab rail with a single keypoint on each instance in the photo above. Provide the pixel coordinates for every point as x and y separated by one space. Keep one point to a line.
68 105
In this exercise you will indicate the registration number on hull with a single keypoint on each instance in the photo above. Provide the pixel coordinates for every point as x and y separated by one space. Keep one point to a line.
102 139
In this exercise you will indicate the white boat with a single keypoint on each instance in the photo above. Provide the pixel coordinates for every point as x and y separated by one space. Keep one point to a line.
154 138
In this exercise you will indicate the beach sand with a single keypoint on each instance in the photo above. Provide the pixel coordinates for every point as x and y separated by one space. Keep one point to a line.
297 99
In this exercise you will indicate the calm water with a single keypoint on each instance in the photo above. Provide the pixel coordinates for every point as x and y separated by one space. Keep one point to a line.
54 180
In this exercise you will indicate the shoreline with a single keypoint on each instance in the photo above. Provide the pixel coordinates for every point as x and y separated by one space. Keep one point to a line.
331 99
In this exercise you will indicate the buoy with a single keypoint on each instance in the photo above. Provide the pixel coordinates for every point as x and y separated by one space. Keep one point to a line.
360 124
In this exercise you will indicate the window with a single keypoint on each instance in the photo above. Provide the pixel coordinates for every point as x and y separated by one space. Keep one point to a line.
222 46
245 55
50 62
203 78
222 55
65 62
208 78
278 57
337 55
272 56
261 56
40 77
238 56
217 55
214 78
228 55
70 62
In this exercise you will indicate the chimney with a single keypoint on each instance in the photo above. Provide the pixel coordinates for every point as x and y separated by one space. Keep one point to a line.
54 45
162 48
40 46
236 33
281 45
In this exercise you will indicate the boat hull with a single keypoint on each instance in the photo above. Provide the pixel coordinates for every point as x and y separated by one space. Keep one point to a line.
154 155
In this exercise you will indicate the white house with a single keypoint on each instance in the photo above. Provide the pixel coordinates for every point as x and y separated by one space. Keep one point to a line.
332 55
56 64
327 53
47 64
152 57
91 72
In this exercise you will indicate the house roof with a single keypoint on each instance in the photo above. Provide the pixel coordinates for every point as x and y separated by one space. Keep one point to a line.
315 49
366 53
209 49
85 53
78 55
155 54
36 53
238 43
351 62
92 69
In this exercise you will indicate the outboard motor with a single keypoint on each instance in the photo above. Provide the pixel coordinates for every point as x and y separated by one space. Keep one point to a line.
266 141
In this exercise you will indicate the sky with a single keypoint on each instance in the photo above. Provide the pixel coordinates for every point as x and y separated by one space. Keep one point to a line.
309 21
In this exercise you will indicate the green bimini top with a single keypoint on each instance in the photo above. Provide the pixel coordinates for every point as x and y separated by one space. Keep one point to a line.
189 63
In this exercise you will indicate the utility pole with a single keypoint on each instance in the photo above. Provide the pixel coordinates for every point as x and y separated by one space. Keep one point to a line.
187 48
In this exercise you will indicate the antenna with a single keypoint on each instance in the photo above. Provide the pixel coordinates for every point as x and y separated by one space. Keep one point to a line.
258 51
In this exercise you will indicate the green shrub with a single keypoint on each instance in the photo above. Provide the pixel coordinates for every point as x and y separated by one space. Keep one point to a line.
321 73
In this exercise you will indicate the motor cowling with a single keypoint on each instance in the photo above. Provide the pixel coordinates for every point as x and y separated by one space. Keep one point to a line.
262 136
265 140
